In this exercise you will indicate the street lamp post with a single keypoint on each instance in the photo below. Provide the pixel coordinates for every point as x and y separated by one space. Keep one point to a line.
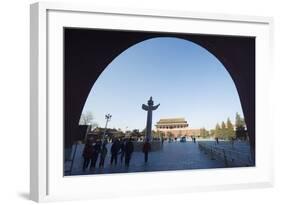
107 117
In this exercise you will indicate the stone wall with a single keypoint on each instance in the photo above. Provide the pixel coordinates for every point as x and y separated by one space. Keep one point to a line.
177 132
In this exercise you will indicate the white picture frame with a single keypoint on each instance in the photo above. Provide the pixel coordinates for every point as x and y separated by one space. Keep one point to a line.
47 182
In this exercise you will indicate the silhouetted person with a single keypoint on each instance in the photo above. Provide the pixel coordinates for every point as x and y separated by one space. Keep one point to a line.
232 142
194 139
114 151
129 148
162 140
96 152
145 149
122 150
103 153
87 154
217 140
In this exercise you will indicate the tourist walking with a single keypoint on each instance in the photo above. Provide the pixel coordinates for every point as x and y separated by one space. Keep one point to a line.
114 151
217 140
122 150
145 149
103 153
97 148
129 149
87 154
232 142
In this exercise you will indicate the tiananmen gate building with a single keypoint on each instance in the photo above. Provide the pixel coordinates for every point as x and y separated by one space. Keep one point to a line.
176 127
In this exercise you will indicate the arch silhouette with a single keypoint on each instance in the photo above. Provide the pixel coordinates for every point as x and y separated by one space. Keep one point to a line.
88 53
164 58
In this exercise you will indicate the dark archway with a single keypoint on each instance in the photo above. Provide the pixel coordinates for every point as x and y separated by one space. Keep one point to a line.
87 53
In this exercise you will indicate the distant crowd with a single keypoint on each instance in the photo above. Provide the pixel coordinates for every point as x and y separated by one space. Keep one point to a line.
94 153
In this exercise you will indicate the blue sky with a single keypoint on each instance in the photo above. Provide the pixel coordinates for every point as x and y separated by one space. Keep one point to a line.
186 79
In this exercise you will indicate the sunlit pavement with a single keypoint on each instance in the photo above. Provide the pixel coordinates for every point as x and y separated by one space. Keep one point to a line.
173 156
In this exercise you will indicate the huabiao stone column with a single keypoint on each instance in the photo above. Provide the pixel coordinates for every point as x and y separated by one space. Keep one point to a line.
149 108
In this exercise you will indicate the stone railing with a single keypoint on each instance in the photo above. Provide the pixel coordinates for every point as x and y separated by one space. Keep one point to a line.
229 157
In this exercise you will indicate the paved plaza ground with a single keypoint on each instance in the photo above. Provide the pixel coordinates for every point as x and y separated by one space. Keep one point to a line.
173 156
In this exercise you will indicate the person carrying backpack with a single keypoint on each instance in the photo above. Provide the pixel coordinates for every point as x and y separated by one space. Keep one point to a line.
96 152
129 149
114 151
87 154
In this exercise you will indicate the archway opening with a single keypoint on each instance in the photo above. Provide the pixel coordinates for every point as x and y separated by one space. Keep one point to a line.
89 52
184 77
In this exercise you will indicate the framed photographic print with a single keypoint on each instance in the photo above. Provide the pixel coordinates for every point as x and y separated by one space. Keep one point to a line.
154 101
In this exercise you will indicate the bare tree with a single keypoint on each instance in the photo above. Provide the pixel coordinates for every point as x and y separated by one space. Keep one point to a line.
86 118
